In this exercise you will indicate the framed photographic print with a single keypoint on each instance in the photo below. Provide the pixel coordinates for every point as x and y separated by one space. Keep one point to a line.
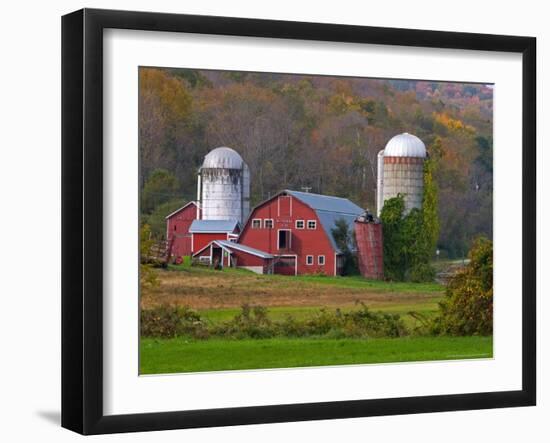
270 221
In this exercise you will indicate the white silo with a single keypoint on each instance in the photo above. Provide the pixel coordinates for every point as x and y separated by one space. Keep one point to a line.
402 171
224 186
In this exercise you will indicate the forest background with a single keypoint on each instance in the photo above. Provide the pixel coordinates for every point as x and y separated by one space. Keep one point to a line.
316 132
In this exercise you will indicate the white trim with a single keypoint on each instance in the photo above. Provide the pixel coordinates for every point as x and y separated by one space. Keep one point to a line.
335 267
272 223
319 260
296 224
202 249
290 205
240 248
252 223
312 260
221 231
192 244
289 238
311 221
181 209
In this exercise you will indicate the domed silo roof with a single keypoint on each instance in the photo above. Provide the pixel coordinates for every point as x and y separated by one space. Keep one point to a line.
405 145
223 158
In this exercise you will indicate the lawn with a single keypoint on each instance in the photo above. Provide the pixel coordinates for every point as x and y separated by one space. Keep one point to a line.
162 356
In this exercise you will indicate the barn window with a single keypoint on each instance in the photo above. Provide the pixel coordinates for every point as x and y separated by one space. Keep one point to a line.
321 259
268 223
312 224
300 224
309 259
257 223
174 227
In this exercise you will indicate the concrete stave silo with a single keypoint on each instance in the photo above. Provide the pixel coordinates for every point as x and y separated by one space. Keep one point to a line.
402 171
223 187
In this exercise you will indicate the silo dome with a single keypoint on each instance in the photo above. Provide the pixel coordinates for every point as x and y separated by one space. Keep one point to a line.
405 145
223 158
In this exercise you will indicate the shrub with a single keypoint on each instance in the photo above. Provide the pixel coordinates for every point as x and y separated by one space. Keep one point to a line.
169 321
468 305
254 322
251 322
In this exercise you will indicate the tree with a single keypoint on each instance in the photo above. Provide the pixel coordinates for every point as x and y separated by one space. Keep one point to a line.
407 242
468 305
345 240
147 275
392 220
160 187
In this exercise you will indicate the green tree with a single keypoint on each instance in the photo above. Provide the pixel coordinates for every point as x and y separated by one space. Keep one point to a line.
407 242
392 220
160 187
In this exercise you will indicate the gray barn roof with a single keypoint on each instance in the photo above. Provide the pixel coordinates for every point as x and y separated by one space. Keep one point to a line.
329 209
205 226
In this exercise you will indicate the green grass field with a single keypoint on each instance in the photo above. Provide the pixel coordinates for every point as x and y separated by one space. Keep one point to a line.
219 295
163 356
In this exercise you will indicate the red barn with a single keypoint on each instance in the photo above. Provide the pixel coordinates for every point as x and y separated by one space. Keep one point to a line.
177 229
204 231
296 228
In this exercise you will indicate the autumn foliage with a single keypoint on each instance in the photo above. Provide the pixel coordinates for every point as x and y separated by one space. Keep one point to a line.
319 132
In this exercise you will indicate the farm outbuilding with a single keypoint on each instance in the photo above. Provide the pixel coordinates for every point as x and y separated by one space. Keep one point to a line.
225 253
204 231
177 229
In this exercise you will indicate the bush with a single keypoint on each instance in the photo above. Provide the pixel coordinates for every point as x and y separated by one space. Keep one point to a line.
169 321
251 322
468 305
254 322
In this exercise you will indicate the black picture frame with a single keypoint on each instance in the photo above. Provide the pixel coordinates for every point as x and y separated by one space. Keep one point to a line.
82 215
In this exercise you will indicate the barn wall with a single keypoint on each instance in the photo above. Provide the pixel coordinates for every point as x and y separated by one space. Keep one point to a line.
200 240
177 229
304 241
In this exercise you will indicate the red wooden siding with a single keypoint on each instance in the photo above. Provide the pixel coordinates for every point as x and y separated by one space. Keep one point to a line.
370 247
177 228
201 239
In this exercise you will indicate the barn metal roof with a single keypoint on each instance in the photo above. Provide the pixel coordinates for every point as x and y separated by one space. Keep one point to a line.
327 202
329 209
243 248
206 226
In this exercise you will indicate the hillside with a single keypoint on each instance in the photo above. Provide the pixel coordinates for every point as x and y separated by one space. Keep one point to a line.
319 132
